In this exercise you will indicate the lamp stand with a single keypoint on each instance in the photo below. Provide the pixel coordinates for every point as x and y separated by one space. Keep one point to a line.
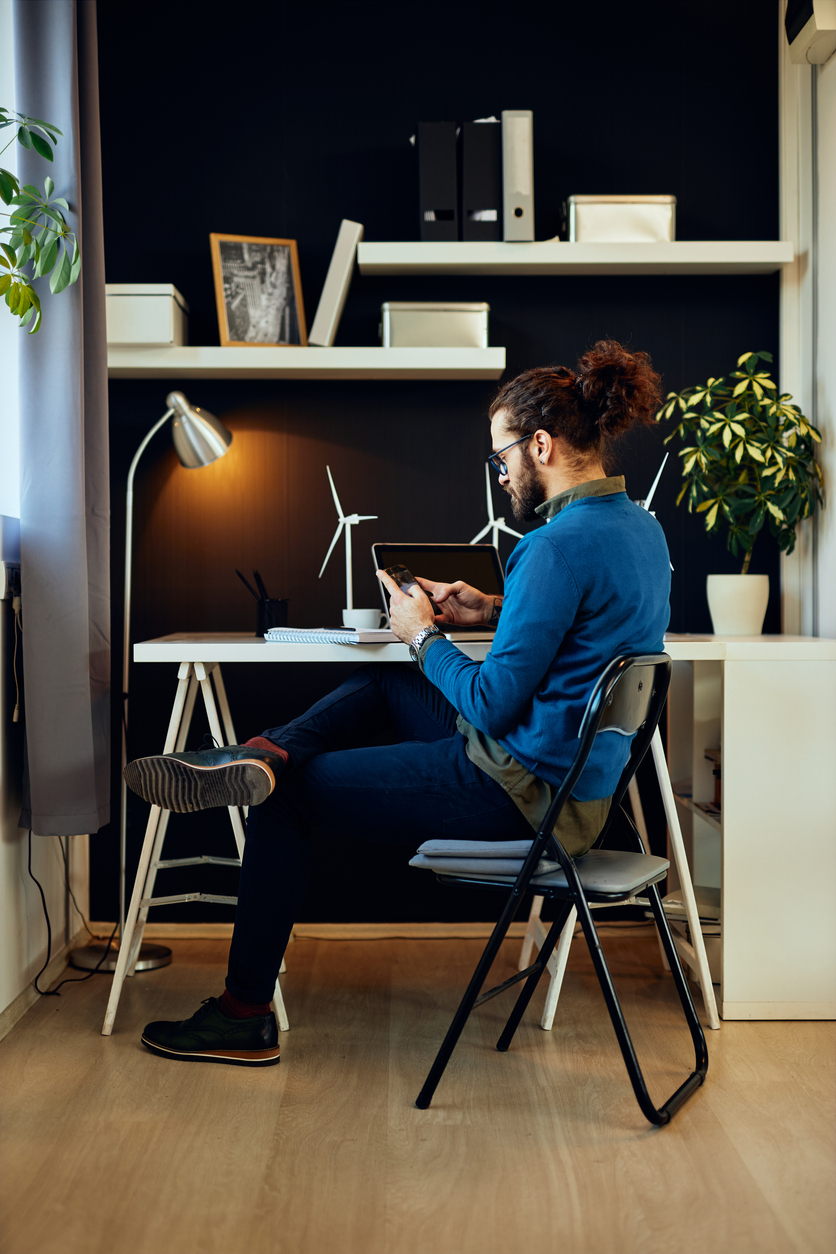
95 957
199 439
101 956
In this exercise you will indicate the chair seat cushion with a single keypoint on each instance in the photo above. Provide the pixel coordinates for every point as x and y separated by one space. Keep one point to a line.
600 871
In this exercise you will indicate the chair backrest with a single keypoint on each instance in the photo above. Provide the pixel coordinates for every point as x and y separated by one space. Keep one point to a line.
627 700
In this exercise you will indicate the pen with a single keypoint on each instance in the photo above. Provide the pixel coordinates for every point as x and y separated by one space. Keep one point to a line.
247 584
259 583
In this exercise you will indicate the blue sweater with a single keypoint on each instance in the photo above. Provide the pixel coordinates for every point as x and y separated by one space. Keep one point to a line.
593 583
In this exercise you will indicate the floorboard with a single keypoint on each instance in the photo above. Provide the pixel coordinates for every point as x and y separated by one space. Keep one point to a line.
108 1147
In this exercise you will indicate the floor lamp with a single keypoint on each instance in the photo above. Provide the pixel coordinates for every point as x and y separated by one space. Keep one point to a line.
199 439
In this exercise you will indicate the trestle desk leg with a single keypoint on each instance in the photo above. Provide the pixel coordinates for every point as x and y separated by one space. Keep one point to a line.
557 970
535 933
130 921
205 674
681 863
181 732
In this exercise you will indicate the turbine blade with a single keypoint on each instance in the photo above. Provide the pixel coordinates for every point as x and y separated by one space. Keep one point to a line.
340 513
331 548
481 534
489 493
656 482
509 531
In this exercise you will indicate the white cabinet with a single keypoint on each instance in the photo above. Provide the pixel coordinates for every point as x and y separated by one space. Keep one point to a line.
769 704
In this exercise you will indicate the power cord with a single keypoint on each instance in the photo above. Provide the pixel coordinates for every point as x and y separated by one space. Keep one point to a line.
78 979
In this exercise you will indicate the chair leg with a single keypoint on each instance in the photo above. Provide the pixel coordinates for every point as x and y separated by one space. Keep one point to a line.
466 1005
663 1114
526 993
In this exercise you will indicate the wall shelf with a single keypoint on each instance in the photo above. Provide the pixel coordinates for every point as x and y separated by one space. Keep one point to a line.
559 257
305 363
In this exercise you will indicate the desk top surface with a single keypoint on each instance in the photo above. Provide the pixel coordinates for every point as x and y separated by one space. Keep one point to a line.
220 646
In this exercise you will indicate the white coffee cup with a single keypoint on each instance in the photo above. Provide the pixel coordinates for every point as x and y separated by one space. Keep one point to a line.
364 620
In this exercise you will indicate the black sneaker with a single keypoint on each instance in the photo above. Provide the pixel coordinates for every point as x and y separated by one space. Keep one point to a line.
236 775
210 1036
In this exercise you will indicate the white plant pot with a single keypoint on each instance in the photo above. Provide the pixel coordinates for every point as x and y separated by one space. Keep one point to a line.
737 604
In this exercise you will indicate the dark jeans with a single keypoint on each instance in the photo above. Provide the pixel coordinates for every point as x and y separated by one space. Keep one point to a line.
420 788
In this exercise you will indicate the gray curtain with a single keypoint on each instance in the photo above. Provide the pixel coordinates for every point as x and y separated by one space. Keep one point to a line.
64 500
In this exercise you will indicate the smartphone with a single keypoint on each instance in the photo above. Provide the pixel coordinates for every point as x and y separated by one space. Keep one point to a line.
406 581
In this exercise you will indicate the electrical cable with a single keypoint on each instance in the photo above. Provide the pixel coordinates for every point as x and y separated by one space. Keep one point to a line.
79 979
78 909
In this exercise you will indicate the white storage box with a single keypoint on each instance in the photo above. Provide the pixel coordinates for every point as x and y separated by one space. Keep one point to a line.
434 324
146 314
622 219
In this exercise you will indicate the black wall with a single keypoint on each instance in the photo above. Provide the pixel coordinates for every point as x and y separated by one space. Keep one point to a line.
279 120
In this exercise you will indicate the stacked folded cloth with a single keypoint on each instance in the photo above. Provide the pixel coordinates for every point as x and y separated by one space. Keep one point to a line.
611 871
479 859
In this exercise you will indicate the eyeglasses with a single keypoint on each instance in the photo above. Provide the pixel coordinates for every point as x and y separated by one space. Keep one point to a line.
498 461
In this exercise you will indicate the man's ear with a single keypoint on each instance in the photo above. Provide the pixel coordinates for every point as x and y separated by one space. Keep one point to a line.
544 446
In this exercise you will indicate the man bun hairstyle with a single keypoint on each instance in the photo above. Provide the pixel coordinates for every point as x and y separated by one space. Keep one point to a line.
610 391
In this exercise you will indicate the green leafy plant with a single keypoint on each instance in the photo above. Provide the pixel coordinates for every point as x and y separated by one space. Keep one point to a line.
36 229
749 456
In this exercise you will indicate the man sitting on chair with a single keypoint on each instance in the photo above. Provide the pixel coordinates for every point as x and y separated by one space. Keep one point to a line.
478 747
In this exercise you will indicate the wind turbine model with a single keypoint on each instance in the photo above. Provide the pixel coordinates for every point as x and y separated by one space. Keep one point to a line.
647 503
493 524
347 521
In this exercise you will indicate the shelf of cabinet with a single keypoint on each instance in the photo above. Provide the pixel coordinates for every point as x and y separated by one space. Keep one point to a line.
559 257
266 362
682 792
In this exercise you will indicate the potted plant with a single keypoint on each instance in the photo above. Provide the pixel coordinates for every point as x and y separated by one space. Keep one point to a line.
748 461
36 226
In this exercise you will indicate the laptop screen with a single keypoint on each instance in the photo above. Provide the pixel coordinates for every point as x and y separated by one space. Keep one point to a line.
476 564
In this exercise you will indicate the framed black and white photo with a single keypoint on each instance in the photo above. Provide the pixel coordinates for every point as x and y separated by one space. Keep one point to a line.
258 290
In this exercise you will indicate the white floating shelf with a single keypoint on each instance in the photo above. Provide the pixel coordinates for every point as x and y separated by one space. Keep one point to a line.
559 257
305 363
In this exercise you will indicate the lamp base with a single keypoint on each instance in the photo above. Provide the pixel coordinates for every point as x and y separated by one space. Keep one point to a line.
87 958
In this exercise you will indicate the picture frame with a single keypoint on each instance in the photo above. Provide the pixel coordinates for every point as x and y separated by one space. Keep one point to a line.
258 291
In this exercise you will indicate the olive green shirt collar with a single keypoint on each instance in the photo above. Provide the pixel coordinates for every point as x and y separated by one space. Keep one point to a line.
593 487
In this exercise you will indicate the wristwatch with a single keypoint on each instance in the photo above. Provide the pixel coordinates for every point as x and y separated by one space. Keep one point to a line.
420 638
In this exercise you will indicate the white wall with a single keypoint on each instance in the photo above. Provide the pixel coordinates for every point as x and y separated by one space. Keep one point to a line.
808 319
826 355
23 937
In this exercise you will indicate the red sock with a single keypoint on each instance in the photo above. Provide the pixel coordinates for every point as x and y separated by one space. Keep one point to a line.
235 1009
261 742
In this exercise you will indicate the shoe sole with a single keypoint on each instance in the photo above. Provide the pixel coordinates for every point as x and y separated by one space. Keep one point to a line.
235 1057
183 788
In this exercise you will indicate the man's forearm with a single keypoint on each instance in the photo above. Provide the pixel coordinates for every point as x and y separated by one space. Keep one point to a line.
494 611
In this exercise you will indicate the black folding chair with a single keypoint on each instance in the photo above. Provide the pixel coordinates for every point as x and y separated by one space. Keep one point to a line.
627 700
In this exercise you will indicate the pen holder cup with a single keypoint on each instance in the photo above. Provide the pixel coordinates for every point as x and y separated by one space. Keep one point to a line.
270 613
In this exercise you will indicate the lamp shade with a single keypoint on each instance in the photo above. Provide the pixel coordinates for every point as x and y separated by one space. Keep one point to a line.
199 437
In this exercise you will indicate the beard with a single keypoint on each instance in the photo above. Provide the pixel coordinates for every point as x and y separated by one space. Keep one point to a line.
528 490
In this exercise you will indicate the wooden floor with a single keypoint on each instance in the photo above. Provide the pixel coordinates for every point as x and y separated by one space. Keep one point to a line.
108 1148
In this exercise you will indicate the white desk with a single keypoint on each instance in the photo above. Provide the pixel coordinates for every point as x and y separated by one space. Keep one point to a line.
770 701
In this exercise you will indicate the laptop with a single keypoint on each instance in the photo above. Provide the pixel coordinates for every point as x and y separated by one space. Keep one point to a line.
476 564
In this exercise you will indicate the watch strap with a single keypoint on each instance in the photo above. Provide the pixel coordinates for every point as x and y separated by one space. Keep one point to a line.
423 635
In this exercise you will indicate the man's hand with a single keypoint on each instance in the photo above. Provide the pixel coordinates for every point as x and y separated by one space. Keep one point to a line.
459 603
409 612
